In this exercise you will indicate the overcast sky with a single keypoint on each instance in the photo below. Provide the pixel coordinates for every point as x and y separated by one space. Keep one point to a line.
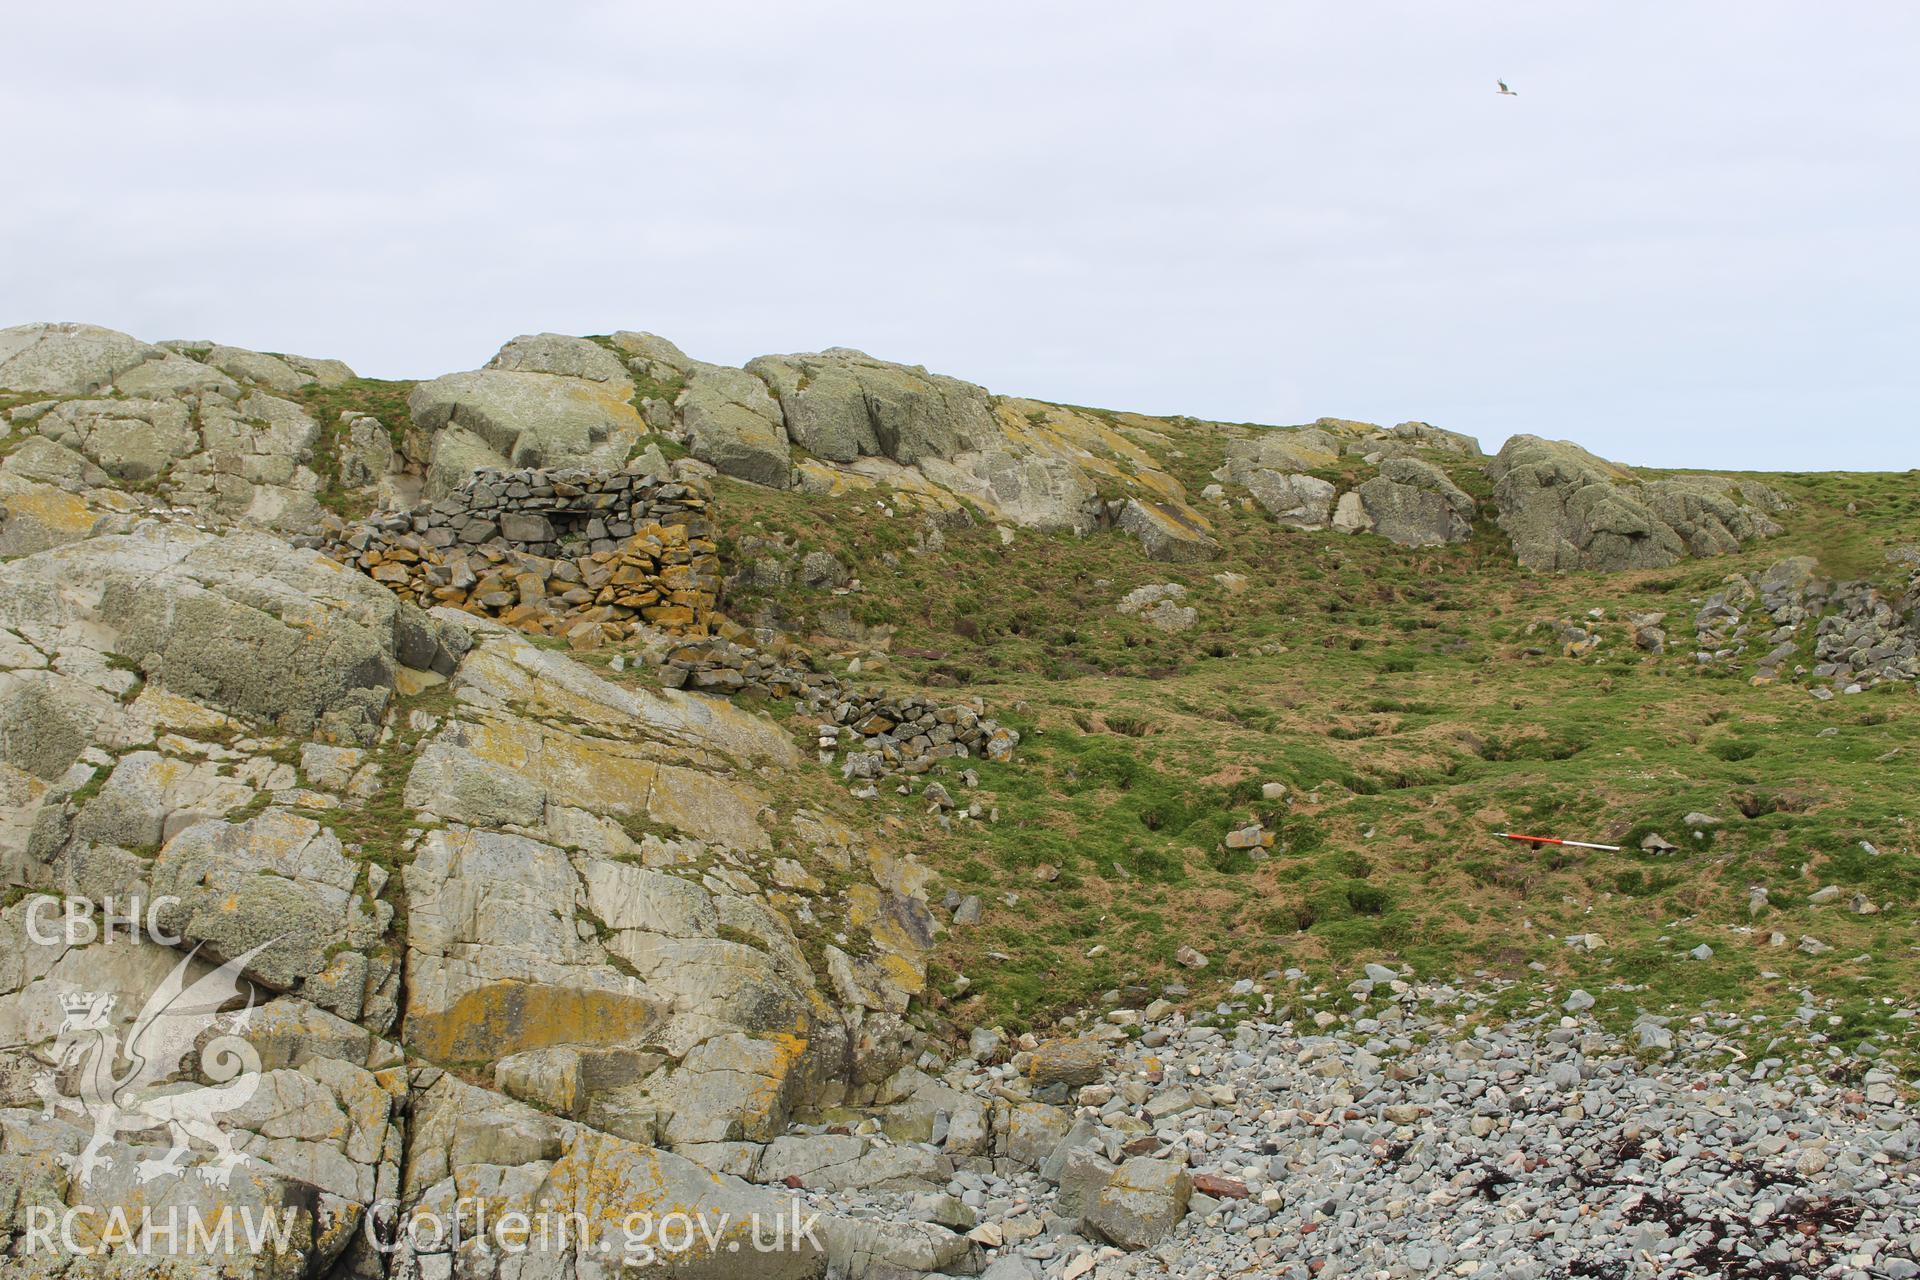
1690 240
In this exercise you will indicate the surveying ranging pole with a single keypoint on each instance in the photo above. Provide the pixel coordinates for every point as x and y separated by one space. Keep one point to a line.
1575 844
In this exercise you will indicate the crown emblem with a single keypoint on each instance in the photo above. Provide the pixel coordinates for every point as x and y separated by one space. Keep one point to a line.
76 1004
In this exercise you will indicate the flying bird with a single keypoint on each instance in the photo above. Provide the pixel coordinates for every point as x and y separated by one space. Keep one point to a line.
1503 89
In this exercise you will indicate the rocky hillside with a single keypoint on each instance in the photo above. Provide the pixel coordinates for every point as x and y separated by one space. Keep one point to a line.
1034 839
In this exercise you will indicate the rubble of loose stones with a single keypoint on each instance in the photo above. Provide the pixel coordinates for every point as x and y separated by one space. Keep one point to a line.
1390 1130
594 556
1861 636
874 734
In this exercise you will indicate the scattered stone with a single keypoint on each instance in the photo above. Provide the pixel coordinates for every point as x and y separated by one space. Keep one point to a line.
1071 1063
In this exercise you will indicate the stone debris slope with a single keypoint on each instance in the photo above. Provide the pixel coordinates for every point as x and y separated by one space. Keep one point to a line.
1400 1132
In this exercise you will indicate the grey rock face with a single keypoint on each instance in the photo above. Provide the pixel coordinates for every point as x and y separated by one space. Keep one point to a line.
281 877
1423 435
843 404
1282 450
1564 508
1033 492
366 451
1296 501
257 367
501 418
1167 534
568 356
651 355
68 359
245 622
1414 504
133 440
733 422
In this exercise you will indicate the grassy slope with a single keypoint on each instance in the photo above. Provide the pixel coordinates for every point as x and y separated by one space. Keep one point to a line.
1410 722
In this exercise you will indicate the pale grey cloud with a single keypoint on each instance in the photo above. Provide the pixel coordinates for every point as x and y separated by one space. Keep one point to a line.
1689 241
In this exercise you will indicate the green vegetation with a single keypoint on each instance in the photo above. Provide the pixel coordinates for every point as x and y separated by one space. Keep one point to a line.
386 401
1412 706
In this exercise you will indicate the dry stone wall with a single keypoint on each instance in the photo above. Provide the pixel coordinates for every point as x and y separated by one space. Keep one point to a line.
594 556
873 734
600 557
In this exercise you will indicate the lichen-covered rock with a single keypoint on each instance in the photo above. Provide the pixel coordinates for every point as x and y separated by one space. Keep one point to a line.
568 356
257 367
582 952
1564 508
1296 501
243 622
366 450
1159 604
132 440
1026 489
292 1117
842 404
651 355
50 496
1413 503
283 878
1143 1203
466 1140
1408 437
68 359
1168 533
1279 449
733 422
1067 1062
522 420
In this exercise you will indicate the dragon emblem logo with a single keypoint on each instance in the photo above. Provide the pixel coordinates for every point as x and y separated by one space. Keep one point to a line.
121 1083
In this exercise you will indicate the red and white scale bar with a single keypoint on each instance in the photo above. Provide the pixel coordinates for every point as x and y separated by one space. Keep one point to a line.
1576 844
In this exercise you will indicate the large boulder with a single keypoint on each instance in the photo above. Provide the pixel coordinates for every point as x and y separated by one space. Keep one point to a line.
565 355
1565 508
1408 436
1143 1203
242 622
652 356
1413 503
842 404
1031 490
1296 501
1279 449
68 359
175 375
256 367
522 419
733 422
1169 533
